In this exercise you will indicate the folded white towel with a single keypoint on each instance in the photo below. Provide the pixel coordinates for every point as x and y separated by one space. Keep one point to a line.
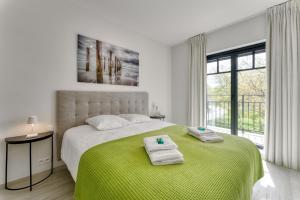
169 162
162 154
196 131
165 155
152 145
208 136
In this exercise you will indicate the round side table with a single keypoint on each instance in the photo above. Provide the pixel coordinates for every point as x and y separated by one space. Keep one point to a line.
28 140
160 117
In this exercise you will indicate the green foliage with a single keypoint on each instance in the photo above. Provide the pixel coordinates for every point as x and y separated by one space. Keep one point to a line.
251 91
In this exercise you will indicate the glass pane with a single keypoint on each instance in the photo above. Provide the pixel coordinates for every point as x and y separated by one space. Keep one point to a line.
251 104
224 65
219 102
245 61
260 59
212 67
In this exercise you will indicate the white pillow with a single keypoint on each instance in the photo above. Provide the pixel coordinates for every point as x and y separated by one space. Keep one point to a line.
135 118
106 122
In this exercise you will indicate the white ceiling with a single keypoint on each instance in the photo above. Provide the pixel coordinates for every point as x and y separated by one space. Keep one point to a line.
173 21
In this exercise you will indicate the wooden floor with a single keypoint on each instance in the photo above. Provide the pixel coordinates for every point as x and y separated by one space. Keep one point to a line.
59 186
277 184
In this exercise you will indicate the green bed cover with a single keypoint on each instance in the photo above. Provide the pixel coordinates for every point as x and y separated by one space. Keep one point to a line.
121 169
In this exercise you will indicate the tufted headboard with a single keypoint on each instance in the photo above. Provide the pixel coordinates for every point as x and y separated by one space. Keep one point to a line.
73 107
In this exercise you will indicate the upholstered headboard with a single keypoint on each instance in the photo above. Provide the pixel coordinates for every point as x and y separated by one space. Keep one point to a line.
73 107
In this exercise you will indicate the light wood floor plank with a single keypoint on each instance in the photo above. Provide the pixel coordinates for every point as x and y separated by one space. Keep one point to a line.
59 186
278 184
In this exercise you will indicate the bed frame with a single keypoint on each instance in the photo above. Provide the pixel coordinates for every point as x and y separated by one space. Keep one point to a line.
74 107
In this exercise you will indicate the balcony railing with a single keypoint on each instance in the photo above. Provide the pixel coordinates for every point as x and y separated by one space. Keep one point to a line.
251 112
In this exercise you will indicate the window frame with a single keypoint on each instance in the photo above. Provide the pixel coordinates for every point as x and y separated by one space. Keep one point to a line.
236 52
233 55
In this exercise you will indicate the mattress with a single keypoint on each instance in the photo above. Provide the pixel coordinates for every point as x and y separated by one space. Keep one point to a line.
79 139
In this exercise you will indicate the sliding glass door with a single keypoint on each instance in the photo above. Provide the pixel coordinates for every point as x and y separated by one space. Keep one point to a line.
219 94
236 84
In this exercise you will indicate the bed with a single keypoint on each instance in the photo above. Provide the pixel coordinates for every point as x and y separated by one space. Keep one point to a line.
114 165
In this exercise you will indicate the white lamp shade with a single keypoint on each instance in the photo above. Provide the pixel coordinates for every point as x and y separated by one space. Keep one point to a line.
32 120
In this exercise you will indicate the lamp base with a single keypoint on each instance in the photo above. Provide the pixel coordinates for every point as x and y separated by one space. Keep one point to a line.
32 135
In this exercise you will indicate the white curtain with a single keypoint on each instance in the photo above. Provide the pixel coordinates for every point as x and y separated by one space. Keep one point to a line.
197 81
282 142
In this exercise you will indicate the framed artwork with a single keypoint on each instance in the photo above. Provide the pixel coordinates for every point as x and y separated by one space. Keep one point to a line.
105 63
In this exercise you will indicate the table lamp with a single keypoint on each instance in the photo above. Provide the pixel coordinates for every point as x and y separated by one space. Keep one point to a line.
32 120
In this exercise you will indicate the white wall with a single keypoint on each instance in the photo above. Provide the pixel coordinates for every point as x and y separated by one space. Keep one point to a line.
240 34
38 57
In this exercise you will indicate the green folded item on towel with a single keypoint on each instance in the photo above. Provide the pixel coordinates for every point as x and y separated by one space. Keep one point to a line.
201 128
121 169
160 140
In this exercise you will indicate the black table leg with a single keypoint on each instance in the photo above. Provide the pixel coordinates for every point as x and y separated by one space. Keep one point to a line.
6 160
30 166
13 140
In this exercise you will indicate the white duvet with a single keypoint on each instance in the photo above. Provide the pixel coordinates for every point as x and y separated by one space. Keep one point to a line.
79 139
